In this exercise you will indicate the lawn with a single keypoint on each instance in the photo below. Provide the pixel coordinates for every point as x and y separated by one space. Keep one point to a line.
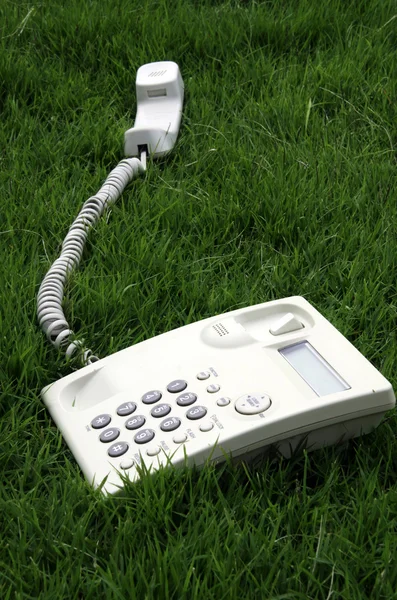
283 182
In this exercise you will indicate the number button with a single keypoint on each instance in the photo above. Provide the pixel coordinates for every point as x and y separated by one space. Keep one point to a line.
198 412
144 436
109 435
161 410
126 409
170 424
151 397
136 422
118 449
178 385
100 421
186 399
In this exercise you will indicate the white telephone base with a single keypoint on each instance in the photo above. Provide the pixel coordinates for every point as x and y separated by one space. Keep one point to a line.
272 374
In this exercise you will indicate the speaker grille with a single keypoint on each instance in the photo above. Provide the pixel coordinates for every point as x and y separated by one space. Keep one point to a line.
220 329
157 73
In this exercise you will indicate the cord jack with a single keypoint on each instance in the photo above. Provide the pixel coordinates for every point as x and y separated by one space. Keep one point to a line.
143 154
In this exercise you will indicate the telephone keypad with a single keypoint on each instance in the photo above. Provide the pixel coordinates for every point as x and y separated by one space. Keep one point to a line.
169 423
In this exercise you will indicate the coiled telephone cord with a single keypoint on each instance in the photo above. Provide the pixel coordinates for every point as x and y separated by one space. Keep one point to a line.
50 297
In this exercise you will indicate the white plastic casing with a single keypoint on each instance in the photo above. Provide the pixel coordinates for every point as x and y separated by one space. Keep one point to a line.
160 91
238 353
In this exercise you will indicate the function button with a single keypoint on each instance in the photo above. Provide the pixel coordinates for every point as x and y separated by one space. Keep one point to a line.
126 409
197 412
161 410
203 375
214 387
151 397
136 422
207 426
126 463
153 450
186 399
178 385
170 424
179 438
252 404
100 421
144 436
109 435
223 401
118 449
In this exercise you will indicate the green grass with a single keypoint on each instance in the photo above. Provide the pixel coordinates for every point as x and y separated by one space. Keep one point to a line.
282 182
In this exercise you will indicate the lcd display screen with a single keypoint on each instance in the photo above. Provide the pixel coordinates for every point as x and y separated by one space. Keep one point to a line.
314 369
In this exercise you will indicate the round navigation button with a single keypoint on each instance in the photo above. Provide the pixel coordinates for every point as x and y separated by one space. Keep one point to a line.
252 404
